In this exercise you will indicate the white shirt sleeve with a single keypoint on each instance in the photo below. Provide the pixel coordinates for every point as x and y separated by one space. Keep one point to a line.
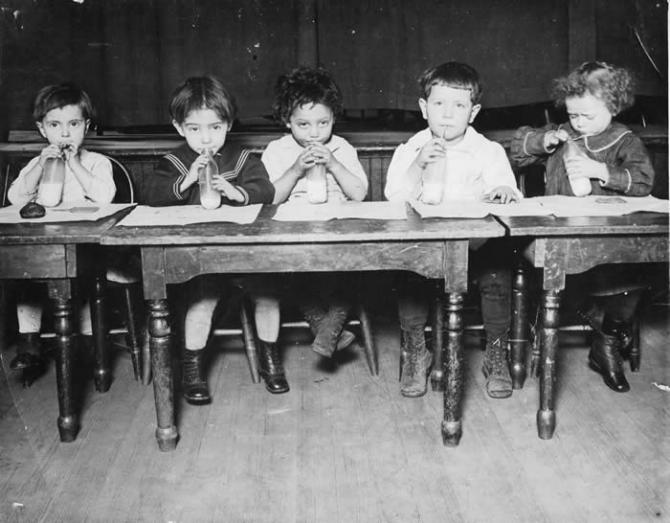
102 189
274 160
347 155
400 185
18 194
497 170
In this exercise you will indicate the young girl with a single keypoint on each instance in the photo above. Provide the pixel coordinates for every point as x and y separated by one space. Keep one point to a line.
202 112
63 115
307 101
610 160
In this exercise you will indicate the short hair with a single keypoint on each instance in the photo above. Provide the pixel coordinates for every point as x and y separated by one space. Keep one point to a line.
615 86
202 92
451 74
59 95
305 85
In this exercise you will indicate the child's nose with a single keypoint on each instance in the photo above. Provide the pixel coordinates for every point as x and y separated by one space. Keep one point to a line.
205 137
314 132
65 131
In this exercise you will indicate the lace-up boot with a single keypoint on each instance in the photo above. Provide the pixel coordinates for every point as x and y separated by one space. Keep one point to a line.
195 388
496 367
415 362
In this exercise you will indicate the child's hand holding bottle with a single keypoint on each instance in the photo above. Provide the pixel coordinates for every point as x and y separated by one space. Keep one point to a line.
432 159
552 139
317 184
581 169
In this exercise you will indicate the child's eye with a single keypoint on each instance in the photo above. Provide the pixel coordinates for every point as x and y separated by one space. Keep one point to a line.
302 125
53 125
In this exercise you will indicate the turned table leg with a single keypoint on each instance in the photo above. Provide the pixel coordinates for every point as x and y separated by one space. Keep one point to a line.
453 370
68 421
546 416
161 365
437 324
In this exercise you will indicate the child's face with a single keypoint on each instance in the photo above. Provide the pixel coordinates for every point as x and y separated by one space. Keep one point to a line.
449 111
203 129
311 123
588 115
64 125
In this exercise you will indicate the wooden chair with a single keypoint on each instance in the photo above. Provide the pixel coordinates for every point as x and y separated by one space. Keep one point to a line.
129 284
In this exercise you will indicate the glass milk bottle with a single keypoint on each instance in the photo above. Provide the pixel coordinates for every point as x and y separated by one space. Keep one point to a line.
210 198
317 185
433 181
50 191
580 186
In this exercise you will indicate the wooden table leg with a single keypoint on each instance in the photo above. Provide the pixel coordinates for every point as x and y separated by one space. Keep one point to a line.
519 338
102 373
161 365
453 370
68 421
546 416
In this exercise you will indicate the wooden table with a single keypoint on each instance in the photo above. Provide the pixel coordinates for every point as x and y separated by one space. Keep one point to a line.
52 252
432 248
562 246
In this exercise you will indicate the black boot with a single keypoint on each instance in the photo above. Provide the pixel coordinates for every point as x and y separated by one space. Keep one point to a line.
415 362
29 359
605 357
271 368
327 327
195 388
496 367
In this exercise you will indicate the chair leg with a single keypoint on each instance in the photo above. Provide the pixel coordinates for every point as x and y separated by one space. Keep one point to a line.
133 342
368 340
437 327
249 333
519 338
102 374
634 353
146 353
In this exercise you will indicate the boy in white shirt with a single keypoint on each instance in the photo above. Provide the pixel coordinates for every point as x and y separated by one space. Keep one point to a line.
476 168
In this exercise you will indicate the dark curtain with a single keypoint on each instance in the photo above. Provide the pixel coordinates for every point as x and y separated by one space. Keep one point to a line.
130 54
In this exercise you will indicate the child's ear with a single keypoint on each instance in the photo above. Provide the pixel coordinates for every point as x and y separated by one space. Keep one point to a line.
422 105
474 112
40 127
177 126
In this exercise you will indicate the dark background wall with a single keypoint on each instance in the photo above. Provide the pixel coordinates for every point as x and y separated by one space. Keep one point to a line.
129 54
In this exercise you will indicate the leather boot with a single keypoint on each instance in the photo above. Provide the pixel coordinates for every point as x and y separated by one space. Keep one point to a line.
415 362
271 368
29 359
329 335
605 358
496 367
194 383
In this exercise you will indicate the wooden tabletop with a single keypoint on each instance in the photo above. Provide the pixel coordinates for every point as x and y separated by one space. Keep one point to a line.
636 223
267 230
33 233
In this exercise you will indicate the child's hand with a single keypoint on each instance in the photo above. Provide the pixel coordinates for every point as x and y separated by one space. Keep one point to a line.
226 188
431 152
304 161
584 167
322 154
553 139
501 194
70 152
50 151
194 170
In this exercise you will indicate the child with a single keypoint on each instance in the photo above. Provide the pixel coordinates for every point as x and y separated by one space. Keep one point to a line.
62 114
202 112
476 168
307 102
612 161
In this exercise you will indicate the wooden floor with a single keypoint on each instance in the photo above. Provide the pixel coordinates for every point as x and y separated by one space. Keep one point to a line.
345 447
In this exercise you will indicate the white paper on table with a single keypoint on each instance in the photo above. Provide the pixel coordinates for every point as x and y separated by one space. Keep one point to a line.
144 215
293 211
594 205
70 212
453 209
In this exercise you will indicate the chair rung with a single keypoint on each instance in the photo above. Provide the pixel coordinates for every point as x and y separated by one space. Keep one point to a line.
285 325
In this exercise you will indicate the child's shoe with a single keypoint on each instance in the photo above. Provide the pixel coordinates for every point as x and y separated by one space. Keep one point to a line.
415 362
29 359
605 358
327 327
271 368
496 367
194 383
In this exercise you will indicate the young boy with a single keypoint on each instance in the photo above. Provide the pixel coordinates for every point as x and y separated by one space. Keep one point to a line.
62 114
202 112
476 168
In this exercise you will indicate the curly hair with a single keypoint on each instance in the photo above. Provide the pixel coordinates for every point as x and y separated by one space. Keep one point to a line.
60 95
452 74
305 85
202 92
615 86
